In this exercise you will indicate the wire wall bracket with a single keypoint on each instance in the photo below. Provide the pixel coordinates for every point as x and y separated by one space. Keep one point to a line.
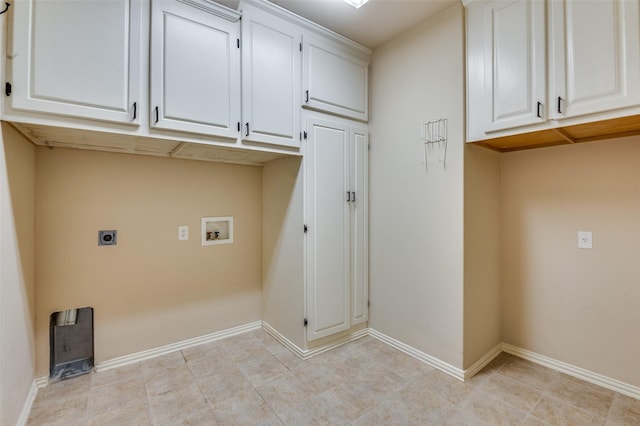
434 139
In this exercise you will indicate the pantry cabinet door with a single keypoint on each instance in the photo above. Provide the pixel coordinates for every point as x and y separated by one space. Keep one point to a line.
359 177
515 66
328 233
271 79
195 69
77 58
596 56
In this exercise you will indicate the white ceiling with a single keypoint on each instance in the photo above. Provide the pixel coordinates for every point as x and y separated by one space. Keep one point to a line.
375 23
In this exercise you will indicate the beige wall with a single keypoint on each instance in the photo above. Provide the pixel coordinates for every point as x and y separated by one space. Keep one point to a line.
283 259
482 328
416 217
573 305
17 194
150 289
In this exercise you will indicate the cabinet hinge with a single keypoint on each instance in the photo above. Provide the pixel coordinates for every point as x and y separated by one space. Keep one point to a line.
306 322
304 134
300 135
238 43
305 229
7 88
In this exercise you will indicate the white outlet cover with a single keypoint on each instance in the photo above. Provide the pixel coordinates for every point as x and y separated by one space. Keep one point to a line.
183 233
585 240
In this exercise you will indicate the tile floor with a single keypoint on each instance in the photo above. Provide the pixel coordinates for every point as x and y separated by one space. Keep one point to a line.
251 379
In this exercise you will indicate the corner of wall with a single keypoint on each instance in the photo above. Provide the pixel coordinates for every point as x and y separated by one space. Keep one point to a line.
17 314
482 275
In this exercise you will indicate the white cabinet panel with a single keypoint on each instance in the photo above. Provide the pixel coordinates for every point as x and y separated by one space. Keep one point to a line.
77 58
596 56
359 172
515 62
335 80
336 175
271 79
195 69
328 242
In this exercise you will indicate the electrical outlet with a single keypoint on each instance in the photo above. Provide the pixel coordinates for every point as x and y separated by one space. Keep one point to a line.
183 233
585 240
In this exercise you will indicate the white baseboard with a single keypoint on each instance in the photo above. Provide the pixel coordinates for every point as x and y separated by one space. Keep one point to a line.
419 355
482 362
309 353
572 370
163 350
28 403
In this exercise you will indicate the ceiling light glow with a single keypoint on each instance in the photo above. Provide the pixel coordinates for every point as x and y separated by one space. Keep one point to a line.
356 3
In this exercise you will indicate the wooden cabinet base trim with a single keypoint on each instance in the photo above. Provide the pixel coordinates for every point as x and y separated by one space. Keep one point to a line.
587 132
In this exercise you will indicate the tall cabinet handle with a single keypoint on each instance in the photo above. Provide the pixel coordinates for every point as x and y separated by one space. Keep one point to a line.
135 110
306 92
559 105
348 196
157 115
353 196
247 125
539 110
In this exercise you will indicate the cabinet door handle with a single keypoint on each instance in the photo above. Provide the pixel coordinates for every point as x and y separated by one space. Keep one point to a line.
247 124
559 105
353 196
306 92
539 111
135 110
157 115
348 196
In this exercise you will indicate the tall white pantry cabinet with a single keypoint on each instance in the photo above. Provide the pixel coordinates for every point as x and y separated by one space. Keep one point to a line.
336 172
194 79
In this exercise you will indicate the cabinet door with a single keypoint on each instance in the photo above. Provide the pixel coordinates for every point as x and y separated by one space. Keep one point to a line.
515 67
77 58
195 69
596 54
271 79
334 80
327 218
359 177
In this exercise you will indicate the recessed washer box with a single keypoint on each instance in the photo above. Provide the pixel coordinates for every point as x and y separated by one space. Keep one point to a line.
217 230
107 238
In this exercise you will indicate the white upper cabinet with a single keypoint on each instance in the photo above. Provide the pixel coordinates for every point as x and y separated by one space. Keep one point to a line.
515 62
271 79
335 79
535 65
195 68
77 58
596 56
